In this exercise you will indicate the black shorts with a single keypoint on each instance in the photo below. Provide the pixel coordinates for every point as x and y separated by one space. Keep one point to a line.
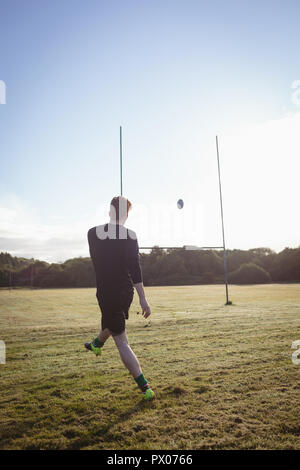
115 311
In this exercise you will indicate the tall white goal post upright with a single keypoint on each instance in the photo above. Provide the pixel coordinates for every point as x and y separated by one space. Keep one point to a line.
191 247
228 302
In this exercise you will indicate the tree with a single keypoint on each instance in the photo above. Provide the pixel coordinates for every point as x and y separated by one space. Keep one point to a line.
79 272
4 277
249 273
235 258
286 266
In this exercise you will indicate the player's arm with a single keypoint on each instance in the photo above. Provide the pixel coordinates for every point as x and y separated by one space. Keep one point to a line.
146 311
135 271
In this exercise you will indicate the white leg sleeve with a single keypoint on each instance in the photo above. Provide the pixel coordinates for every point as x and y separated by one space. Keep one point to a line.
127 355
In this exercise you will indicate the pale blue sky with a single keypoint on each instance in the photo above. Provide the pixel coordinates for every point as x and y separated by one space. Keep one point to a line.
173 73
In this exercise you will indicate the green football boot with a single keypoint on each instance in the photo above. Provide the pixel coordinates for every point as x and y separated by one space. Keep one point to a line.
148 394
90 347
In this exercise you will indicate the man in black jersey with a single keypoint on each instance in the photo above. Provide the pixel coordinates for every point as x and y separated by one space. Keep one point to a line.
115 255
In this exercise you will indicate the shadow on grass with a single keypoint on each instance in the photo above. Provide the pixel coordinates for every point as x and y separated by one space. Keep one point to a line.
123 417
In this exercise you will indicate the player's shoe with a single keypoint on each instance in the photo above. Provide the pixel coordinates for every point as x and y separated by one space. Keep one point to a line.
94 349
148 394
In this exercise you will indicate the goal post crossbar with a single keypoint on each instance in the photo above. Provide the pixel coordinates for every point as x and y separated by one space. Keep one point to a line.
185 247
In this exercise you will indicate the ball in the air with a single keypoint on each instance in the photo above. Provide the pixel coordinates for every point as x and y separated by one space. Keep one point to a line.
180 203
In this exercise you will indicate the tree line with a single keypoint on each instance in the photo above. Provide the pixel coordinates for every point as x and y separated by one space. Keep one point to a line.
161 267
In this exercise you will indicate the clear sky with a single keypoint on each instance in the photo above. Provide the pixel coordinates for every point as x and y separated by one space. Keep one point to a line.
173 74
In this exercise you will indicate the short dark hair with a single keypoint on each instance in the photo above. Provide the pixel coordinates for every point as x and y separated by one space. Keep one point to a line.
120 203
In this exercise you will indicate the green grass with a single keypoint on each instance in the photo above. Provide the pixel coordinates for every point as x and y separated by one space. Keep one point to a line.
223 376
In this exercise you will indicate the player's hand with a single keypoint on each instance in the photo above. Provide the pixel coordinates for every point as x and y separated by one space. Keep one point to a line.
146 311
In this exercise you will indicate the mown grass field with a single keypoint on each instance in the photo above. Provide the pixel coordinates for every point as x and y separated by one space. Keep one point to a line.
223 376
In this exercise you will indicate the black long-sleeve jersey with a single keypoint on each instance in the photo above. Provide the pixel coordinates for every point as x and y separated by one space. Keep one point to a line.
115 255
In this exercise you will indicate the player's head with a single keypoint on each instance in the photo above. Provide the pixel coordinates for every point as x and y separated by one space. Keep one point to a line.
119 208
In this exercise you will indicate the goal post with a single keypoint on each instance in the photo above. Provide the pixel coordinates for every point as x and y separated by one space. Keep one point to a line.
192 247
198 248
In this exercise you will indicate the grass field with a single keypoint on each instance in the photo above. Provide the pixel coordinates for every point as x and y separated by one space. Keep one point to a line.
223 376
